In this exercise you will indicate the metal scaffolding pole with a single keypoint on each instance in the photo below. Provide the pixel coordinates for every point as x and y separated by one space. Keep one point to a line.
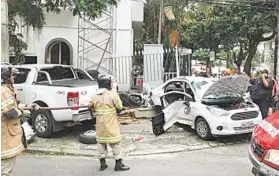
95 36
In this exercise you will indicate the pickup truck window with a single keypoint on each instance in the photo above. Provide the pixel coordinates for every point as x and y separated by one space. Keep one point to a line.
58 73
21 75
81 75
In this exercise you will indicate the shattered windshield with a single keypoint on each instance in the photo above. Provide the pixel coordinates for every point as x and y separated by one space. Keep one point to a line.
201 87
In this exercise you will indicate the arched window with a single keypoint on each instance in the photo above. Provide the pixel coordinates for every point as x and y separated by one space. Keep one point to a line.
59 53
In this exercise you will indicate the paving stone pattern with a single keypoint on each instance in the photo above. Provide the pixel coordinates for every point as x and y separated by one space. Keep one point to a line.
176 139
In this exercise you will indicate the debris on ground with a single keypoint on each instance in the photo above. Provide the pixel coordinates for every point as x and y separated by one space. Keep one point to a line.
127 117
127 101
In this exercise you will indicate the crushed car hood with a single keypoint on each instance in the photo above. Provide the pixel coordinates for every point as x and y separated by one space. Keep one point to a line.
235 83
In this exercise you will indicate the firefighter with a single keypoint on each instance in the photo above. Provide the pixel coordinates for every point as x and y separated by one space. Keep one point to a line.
11 131
106 104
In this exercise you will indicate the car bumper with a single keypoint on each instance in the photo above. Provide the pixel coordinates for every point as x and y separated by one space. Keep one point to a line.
233 127
259 168
83 115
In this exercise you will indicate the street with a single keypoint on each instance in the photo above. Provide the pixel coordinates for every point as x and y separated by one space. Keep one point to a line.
220 161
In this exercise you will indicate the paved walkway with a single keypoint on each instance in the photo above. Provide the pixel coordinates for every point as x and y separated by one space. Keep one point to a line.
176 139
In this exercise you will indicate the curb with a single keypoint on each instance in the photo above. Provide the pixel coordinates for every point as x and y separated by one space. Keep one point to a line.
53 153
128 154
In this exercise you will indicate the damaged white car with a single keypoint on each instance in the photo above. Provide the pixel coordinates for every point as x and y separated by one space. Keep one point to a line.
211 108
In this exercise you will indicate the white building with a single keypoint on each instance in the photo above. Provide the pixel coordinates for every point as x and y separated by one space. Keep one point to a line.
83 43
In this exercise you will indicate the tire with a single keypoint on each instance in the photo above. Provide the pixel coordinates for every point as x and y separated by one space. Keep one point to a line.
127 101
89 124
44 130
136 98
203 130
88 137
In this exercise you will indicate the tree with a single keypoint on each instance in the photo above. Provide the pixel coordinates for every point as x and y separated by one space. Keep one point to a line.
257 23
229 26
173 12
202 29
32 13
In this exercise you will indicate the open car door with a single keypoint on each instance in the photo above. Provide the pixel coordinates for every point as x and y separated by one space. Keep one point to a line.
169 111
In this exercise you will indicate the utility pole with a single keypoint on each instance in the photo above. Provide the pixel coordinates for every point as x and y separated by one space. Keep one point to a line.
160 21
4 31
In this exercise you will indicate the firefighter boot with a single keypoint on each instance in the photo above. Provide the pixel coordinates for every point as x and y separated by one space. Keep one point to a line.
103 164
119 166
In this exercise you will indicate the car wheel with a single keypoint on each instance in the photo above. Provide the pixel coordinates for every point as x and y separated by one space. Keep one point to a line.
88 137
203 130
42 123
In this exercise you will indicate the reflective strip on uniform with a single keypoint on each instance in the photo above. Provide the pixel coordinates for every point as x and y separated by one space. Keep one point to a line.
107 111
6 103
119 107
12 152
108 139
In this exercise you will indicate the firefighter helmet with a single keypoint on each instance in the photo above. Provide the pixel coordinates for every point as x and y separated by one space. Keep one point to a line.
104 81
5 73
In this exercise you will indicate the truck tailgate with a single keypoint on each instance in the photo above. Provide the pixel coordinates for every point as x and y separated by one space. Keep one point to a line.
85 94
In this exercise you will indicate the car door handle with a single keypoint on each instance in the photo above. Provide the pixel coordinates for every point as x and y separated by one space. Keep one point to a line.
19 89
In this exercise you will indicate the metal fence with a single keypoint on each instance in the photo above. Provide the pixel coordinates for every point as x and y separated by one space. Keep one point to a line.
151 68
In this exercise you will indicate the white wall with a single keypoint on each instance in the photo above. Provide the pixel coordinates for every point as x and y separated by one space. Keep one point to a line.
65 26
62 26
123 45
137 7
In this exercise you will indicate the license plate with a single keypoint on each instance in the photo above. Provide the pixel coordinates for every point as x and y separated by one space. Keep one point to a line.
247 124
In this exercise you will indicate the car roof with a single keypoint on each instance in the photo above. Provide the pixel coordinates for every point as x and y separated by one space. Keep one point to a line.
39 66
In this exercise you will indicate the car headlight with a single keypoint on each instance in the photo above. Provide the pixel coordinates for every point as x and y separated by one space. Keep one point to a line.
217 111
272 156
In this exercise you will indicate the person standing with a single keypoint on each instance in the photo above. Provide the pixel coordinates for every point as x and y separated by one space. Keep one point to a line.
11 131
251 83
106 104
261 93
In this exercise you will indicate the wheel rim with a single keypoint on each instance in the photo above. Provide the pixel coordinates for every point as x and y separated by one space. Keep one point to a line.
202 129
90 133
41 123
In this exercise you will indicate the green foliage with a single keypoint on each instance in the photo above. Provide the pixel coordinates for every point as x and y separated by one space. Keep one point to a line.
89 8
216 27
151 20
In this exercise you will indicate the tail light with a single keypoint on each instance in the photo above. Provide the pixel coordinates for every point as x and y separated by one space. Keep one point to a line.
73 99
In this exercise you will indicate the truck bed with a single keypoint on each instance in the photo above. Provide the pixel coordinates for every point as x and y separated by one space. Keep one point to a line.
70 83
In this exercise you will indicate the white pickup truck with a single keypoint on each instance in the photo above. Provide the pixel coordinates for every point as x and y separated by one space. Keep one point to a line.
51 85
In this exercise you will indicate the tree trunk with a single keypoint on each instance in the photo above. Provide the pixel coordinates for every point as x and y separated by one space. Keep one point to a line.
228 59
251 54
238 69
4 31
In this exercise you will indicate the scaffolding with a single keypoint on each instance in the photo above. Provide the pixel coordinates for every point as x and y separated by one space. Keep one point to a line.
95 42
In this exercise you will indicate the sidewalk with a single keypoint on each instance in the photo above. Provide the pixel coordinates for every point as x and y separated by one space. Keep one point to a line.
175 140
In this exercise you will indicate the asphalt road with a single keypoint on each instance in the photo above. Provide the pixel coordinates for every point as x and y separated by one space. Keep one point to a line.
222 161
